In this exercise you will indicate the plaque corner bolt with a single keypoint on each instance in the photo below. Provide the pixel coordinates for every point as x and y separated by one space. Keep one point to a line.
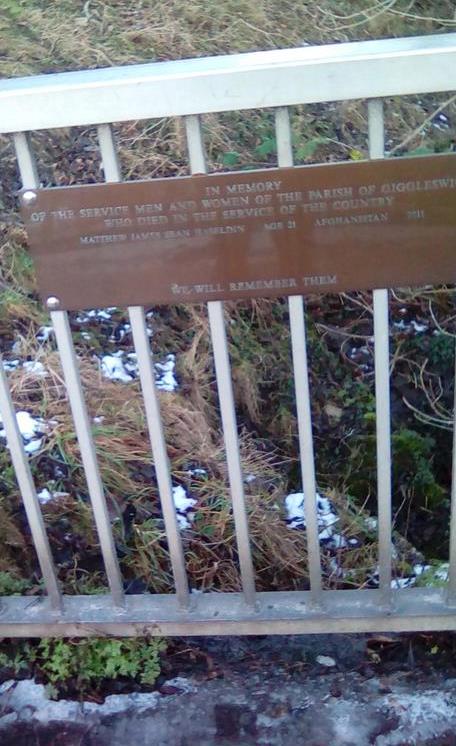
29 197
53 303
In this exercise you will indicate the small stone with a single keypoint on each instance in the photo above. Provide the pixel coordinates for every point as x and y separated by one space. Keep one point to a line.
325 660
335 689
167 690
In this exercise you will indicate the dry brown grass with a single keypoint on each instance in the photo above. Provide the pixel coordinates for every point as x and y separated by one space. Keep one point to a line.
125 463
65 35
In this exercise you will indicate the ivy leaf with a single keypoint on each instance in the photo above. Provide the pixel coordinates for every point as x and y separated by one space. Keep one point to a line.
230 158
267 147
308 149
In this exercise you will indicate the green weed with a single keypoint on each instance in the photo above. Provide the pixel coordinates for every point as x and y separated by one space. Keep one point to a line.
83 666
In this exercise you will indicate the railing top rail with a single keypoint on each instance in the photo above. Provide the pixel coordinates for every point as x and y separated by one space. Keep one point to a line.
284 77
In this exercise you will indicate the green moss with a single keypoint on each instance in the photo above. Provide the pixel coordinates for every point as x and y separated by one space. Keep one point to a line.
413 455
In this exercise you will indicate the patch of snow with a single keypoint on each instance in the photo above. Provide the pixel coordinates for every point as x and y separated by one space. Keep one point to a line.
29 428
183 505
166 380
294 503
123 367
411 326
197 472
10 365
339 541
43 333
33 445
120 332
44 496
441 573
98 420
371 523
429 707
325 660
419 569
406 582
141 701
112 367
35 368
131 364
30 702
95 314
249 478
28 425
181 683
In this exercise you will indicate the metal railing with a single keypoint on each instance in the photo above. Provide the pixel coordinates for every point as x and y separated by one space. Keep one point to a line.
279 79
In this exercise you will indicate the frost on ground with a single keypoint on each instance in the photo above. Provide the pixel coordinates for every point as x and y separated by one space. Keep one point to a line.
32 429
256 707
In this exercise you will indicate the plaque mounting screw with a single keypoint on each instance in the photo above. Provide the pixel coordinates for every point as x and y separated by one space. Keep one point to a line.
29 197
53 303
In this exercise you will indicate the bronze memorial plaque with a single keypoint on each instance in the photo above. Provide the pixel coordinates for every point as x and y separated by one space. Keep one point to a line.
278 231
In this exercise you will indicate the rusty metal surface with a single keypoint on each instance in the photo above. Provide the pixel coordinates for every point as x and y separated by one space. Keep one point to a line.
280 231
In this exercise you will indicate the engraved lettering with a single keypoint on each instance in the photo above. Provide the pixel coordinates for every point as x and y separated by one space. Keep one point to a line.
321 194
381 217
62 214
212 204
152 219
255 187
289 197
277 231
319 280
248 212
218 230
148 209
104 212
275 284
117 222
104 238
419 186
200 217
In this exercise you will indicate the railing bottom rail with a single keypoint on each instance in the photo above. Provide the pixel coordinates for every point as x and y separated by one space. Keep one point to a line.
278 612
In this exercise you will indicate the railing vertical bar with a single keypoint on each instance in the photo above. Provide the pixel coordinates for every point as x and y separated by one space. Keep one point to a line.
28 492
451 596
225 392
80 417
154 422
86 444
382 387
301 378
112 173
